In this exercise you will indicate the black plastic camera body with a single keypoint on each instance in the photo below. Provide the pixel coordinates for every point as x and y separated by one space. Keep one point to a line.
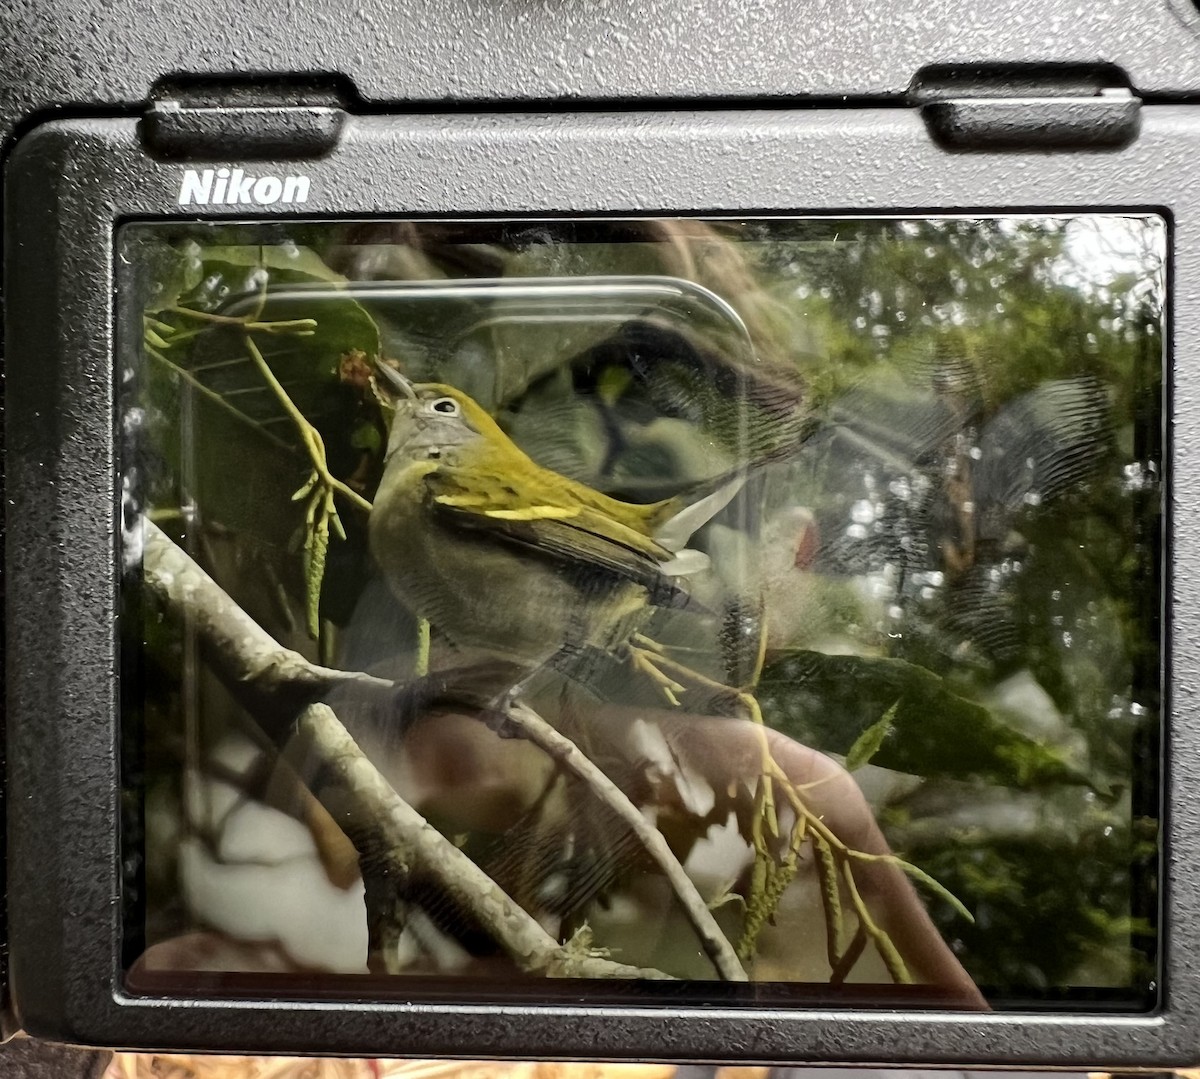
115 116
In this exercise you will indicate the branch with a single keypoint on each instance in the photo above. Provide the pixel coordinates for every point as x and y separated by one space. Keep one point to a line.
245 655
271 681
378 820
385 829
534 729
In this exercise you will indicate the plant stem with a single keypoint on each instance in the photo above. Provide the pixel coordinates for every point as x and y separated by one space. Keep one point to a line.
310 435
249 322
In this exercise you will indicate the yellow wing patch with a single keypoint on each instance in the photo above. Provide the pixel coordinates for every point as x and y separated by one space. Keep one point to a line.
522 513
462 501
535 513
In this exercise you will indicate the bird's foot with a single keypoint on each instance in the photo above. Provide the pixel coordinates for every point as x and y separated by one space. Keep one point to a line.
497 714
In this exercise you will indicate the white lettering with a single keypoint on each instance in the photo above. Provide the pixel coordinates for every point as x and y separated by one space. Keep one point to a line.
219 190
239 187
267 190
233 187
295 189
196 187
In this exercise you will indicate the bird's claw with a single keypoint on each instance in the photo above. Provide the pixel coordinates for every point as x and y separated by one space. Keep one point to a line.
497 714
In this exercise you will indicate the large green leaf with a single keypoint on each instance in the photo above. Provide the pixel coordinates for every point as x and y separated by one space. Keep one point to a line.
298 285
833 701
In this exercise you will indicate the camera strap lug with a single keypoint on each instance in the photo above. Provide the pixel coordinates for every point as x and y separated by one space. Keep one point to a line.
1007 109
248 122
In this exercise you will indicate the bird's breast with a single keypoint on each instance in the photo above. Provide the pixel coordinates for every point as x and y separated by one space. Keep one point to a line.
477 591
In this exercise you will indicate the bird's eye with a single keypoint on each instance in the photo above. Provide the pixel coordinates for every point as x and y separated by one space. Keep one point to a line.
447 406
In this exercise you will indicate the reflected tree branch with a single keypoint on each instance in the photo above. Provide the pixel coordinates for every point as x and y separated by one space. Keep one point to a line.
393 840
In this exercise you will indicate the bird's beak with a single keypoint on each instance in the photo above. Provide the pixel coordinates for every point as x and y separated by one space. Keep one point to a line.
396 380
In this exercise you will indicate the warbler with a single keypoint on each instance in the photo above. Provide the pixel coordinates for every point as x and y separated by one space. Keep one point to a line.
508 559
512 559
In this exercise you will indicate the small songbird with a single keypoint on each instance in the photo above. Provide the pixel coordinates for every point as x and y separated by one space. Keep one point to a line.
506 557
509 560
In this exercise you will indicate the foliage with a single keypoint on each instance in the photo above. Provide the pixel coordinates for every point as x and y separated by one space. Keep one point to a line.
833 701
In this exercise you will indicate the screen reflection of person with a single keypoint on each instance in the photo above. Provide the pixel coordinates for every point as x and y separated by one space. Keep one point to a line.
552 847
693 776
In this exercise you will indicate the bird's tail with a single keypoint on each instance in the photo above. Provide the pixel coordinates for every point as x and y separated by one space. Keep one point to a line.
679 525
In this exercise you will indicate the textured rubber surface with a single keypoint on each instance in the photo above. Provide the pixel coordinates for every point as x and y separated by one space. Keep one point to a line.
72 179
25 1058
106 54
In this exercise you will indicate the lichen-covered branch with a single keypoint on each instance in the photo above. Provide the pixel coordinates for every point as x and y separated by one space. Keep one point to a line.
379 822
384 826
273 682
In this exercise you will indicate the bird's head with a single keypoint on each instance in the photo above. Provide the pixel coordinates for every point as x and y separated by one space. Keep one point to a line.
431 418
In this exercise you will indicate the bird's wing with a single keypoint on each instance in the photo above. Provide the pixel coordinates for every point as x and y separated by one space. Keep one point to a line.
554 526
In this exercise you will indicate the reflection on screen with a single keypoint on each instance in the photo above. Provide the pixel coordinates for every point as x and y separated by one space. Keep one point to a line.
767 606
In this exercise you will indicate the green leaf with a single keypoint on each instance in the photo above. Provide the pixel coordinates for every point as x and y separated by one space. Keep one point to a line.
867 744
936 887
832 701
297 263
919 874
236 472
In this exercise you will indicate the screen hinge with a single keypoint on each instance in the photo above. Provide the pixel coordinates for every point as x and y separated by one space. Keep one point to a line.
986 108
280 120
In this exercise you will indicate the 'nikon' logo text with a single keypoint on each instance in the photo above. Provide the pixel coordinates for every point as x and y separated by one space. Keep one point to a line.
232 187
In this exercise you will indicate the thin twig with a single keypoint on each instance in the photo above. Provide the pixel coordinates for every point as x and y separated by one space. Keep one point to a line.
883 942
562 750
299 326
310 435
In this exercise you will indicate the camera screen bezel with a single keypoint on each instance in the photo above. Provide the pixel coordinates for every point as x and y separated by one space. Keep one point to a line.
75 181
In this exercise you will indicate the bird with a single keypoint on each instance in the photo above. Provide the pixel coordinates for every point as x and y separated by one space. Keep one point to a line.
510 560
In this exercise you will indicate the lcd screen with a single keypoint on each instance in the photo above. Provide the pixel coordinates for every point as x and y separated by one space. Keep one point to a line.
719 610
